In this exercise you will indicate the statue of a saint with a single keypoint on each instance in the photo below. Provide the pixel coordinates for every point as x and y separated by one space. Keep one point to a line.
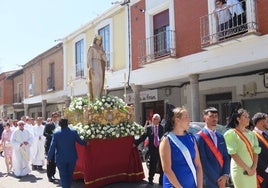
96 60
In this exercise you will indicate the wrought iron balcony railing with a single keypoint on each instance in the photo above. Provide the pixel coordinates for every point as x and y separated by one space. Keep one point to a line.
215 28
158 46
79 71
17 98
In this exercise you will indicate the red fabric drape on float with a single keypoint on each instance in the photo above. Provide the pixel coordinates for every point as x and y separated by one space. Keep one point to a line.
107 161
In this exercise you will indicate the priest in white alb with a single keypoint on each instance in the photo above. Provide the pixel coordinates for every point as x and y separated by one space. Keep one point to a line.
38 155
21 140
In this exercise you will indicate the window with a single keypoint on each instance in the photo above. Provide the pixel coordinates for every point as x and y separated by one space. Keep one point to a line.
19 93
0 91
79 59
161 34
31 85
51 78
105 33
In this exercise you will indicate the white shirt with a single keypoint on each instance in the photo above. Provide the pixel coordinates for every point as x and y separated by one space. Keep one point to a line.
235 7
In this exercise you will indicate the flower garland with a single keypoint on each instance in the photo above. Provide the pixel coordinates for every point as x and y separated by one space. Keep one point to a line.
92 131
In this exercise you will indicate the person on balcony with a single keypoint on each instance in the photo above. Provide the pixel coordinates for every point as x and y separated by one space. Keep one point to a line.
223 17
238 14
96 60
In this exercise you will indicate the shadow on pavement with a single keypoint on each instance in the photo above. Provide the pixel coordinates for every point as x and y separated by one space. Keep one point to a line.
28 178
141 184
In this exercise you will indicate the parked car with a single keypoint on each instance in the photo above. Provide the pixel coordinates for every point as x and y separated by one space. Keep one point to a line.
195 127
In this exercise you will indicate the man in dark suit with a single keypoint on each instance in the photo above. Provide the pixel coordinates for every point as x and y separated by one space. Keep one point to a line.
213 152
260 120
63 143
48 132
154 132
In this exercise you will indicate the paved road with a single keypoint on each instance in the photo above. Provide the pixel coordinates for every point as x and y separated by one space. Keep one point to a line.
38 179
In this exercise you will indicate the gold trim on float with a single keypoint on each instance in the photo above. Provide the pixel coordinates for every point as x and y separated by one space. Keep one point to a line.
112 176
78 172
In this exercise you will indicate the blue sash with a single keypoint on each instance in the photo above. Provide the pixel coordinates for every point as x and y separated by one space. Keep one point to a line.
185 153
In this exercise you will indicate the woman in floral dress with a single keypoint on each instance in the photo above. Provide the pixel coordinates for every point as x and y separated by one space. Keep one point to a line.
6 135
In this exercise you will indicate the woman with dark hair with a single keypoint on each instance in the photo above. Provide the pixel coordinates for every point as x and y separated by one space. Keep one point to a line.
179 153
242 145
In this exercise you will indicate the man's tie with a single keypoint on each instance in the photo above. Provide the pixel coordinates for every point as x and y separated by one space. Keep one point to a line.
265 135
214 138
156 142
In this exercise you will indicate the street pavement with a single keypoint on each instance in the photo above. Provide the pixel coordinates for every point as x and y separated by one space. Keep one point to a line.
39 179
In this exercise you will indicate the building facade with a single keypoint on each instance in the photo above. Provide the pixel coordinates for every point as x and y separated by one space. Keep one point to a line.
113 26
43 84
6 88
160 53
178 51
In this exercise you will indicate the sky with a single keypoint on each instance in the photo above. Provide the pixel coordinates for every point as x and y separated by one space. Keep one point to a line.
30 27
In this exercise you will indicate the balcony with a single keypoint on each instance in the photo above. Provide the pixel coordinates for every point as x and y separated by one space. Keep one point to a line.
161 45
17 98
50 84
79 71
214 32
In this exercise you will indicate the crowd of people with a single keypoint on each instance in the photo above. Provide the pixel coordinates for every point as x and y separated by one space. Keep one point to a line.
209 159
23 145
206 159
27 143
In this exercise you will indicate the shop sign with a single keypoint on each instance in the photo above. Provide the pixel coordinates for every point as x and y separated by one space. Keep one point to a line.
145 96
148 96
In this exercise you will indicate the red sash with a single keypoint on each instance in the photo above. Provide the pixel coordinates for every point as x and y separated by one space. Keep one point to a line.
249 148
212 147
261 138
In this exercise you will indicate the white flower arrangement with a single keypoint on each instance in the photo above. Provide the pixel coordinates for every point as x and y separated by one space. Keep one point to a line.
78 104
98 131
107 101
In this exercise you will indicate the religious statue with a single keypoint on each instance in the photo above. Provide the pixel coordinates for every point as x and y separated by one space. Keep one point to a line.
96 60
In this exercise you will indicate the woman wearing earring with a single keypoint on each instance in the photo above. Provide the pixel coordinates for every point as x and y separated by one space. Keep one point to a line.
242 145
179 154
